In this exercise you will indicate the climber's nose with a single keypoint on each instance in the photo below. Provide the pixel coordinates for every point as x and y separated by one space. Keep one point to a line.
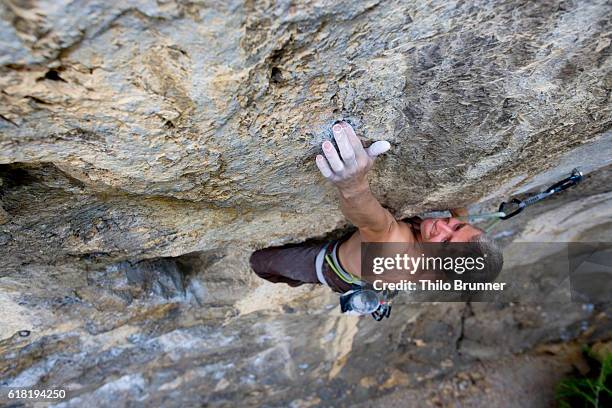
443 226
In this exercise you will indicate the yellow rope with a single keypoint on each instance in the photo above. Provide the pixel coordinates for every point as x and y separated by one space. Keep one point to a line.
331 265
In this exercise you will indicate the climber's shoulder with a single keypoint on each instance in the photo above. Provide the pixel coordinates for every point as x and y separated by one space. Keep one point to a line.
401 232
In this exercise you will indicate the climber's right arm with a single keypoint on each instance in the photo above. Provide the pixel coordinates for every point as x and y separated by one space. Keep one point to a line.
375 223
348 171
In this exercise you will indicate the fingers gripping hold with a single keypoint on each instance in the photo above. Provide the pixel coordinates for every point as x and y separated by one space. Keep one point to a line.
360 152
332 157
323 166
344 145
354 160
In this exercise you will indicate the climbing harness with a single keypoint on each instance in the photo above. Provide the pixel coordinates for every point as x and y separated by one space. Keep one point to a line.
509 209
361 299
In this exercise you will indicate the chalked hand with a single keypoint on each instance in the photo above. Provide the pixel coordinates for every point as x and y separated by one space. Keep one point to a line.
348 170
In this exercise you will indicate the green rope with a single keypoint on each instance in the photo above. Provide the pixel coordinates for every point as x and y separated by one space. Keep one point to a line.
331 265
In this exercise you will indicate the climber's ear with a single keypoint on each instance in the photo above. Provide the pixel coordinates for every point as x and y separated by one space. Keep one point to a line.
378 148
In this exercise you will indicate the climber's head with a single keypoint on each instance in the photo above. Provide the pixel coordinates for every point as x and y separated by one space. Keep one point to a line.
446 230
477 243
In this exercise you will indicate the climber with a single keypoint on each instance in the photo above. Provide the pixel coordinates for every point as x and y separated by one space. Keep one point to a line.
338 263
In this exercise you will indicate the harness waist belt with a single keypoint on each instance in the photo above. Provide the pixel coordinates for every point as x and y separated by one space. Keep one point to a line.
319 265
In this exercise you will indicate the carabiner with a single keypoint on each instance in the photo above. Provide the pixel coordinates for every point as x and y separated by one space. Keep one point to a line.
504 207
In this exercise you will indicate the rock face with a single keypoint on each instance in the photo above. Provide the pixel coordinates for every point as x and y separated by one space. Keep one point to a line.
147 147
187 126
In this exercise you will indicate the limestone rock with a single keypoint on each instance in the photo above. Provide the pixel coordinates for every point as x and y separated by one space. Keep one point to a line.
212 113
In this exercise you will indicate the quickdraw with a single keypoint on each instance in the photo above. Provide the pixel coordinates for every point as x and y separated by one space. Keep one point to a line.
516 206
509 209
